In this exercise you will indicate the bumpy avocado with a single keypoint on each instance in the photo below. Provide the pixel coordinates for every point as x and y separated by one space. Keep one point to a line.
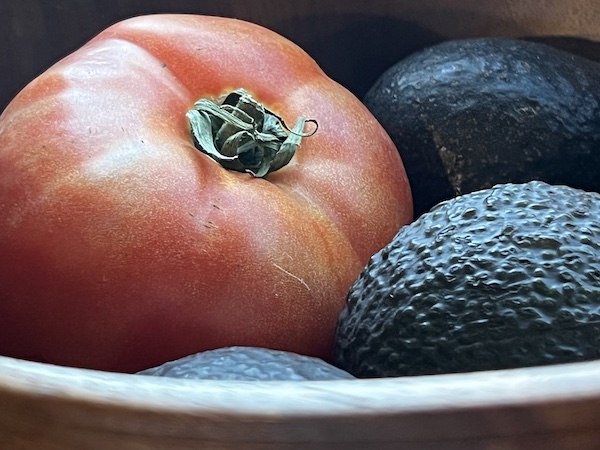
499 278
468 114
250 364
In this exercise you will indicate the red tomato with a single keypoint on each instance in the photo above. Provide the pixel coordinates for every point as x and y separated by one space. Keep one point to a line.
122 246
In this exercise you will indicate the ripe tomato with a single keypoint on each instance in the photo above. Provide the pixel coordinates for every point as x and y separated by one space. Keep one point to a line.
123 246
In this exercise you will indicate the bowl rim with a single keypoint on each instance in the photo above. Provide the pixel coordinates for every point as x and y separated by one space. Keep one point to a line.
506 388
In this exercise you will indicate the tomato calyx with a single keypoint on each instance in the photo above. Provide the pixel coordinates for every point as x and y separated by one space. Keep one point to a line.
243 135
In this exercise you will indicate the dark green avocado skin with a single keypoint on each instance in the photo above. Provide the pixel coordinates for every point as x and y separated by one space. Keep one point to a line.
468 114
248 364
500 278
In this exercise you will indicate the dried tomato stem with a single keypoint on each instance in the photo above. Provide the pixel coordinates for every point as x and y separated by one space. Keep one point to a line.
242 135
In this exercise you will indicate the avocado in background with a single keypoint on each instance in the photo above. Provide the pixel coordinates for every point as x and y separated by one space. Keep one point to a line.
249 364
500 278
468 114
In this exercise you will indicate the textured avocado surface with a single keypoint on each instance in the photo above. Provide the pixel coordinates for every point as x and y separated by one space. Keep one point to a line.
504 277
250 364
468 114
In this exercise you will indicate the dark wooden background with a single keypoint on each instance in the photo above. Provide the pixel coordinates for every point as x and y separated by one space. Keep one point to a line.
354 41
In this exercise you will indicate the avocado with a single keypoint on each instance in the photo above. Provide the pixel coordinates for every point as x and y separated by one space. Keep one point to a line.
250 364
499 278
468 114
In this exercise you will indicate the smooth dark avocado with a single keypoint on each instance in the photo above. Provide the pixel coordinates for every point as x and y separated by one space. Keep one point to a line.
500 278
248 364
468 114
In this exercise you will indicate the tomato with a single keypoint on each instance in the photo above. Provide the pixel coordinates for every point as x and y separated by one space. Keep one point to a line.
123 246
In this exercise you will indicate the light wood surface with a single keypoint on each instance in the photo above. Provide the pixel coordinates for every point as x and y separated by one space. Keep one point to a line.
50 407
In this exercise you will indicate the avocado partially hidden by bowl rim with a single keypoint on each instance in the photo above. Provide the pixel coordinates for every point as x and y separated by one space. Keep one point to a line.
248 364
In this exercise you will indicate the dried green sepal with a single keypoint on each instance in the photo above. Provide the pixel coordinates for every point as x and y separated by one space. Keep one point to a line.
242 135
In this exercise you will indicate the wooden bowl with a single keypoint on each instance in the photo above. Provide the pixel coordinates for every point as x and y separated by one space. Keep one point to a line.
50 407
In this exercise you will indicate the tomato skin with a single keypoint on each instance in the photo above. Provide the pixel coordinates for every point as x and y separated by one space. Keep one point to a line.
122 246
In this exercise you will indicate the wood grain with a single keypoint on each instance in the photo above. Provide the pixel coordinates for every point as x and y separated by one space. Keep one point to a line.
552 407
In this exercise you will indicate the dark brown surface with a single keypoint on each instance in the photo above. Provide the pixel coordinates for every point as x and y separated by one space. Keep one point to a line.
353 40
